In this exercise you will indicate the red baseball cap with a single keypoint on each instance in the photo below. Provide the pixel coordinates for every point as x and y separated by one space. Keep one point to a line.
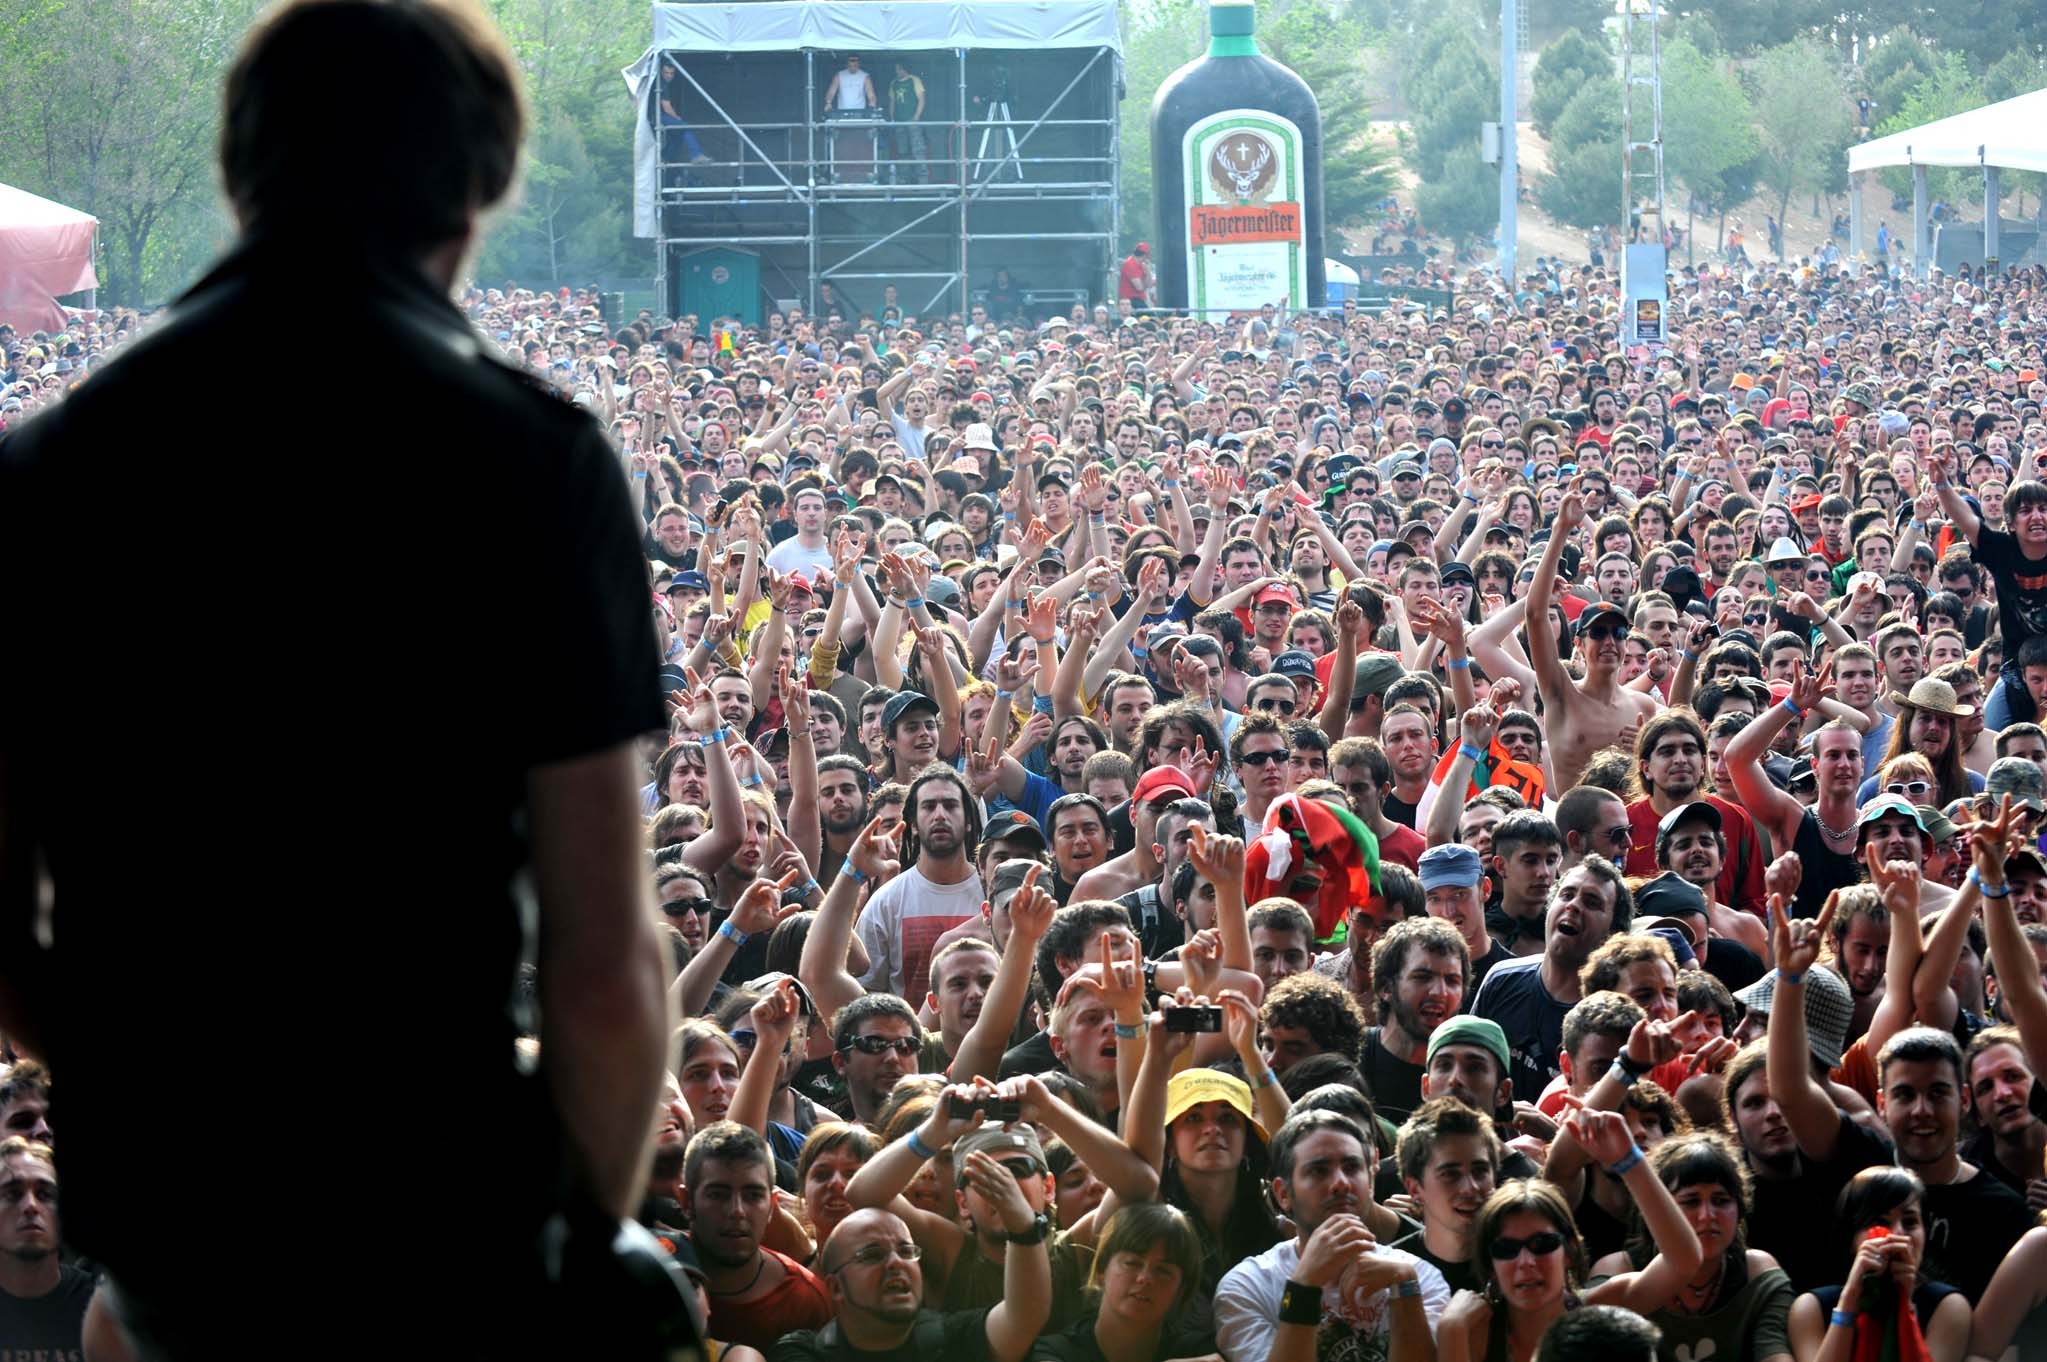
1159 780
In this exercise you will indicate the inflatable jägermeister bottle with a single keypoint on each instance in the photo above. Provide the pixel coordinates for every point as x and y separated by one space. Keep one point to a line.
1236 146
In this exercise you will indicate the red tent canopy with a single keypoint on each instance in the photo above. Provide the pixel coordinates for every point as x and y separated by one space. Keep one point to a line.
45 251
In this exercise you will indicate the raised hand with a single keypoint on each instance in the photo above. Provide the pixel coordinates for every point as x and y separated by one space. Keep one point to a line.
794 693
1201 960
1505 694
1991 842
1093 489
1030 911
1198 762
1897 883
780 588
1122 980
699 711
1217 856
1480 722
1782 876
1220 485
760 909
1571 510
774 1017
1604 1134
1652 1042
1012 672
1797 943
1240 1026
1151 586
1042 618
874 852
1809 688
1350 619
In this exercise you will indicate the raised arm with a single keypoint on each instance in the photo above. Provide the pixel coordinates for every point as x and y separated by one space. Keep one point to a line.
805 830
1906 957
1553 683
1343 672
1604 1134
1476 727
1030 917
774 1026
1200 587
1220 860
1808 1108
757 911
1940 471
2018 981
715 848
823 965
1107 653
1491 641
765 666
1013 1325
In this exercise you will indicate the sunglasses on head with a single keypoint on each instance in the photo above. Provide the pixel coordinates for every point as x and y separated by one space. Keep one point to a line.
881 1045
1541 1245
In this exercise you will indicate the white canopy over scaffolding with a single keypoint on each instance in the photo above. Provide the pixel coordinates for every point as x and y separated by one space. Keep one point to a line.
2010 134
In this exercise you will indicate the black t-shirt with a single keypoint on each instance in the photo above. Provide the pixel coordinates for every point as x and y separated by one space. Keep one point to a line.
1793 1216
393 921
1456 1271
1398 810
955 1335
1970 1226
2021 587
1395 1083
47 1326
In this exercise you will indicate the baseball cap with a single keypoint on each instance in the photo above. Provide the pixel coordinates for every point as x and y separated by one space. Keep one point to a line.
2020 778
690 581
1269 594
1161 780
1375 673
999 1141
1597 611
1466 1029
1294 662
1451 865
1886 804
1191 1087
1669 896
1455 573
1014 825
1829 1007
901 703
1698 811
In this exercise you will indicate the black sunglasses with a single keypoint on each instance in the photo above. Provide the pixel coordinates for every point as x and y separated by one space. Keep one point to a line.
684 907
1541 1245
1261 758
881 1045
1270 703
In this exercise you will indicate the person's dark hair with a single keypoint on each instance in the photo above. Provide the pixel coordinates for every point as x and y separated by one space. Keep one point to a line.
864 1009
1300 1126
827 1136
1690 1159
728 1142
1071 927
1401 889
1321 1007
1607 1332
1135 1228
1436 1119
1525 826
970 807
302 150
1432 935
28 1078
1870 1196
1698 991
1922 1045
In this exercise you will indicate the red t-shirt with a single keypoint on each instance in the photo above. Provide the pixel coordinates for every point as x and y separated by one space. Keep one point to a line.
1403 846
800 1302
1741 876
1130 283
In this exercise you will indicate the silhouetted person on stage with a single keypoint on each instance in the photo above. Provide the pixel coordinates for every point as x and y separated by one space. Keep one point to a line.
279 997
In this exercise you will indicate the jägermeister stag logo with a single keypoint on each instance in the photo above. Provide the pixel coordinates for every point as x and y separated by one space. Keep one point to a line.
1244 167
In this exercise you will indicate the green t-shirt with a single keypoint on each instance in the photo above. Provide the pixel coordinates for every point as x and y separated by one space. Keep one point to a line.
903 98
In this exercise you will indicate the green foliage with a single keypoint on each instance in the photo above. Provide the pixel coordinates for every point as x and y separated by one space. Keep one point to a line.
1747 25
1583 187
2012 75
1898 62
1803 118
1455 88
1708 126
1326 47
1464 201
1947 90
1564 67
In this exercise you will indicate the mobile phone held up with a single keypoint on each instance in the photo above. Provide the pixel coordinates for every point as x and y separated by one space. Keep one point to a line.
1194 1019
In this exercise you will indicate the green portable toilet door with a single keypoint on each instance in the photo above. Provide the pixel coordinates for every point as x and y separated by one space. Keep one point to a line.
722 282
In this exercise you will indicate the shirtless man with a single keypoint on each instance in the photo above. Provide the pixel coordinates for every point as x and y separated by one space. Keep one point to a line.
1137 867
1581 716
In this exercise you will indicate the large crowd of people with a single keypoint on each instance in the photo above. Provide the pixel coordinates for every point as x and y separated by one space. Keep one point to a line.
1380 836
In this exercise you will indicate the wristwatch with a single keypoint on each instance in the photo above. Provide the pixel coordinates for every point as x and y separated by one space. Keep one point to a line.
1038 1233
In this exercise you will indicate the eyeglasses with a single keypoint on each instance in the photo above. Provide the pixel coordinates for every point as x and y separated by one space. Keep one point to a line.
1911 789
1621 836
881 1045
874 1255
686 907
1270 703
1541 1245
1261 758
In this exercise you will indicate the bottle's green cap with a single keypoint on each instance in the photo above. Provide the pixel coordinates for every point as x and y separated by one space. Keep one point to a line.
1232 18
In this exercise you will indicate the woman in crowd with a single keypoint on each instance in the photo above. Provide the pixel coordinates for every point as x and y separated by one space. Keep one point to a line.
1147 1272
1883 1233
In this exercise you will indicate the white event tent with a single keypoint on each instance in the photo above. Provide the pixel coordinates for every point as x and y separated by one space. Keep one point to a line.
2010 134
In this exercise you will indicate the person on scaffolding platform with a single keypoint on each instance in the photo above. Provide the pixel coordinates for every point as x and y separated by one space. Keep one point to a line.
674 85
906 111
851 91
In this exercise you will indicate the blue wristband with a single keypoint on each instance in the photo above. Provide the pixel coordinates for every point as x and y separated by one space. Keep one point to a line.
1465 749
1266 1079
731 933
1843 1319
1621 1166
1793 710
1041 704
1128 1032
1690 656
913 603
853 872
2003 891
1407 1286
918 1147
1785 976
716 735
1460 664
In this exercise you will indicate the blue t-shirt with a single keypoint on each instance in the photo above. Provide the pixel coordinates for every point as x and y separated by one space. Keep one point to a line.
1512 995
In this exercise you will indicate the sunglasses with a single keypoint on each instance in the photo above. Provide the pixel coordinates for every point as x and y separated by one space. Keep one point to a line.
881 1045
1911 789
1261 758
685 907
1606 631
1541 1245
1492 444
1269 704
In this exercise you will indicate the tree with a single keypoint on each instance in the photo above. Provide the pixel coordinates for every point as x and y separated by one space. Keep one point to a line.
1896 63
1456 90
1947 90
1583 186
1802 119
1464 201
1708 126
1564 67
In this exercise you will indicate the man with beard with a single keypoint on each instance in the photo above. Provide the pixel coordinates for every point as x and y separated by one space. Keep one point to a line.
1449 1158
841 810
1073 740
1530 997
757 1294
1691 843
1330 1291
1468 1059
873 1270
1419 970
1670 763
42 1298
937 890
1596 712
1078 826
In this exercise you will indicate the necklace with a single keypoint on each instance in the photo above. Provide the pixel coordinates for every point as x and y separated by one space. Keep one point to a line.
750 1285
1705 1296
1832 832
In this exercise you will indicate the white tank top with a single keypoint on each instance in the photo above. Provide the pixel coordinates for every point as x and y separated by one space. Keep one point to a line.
852 89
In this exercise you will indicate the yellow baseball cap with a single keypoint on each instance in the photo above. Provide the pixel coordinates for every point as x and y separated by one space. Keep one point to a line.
1191 1087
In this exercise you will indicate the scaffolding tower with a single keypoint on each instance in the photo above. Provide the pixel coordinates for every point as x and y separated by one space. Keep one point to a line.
1642 201
1019 162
